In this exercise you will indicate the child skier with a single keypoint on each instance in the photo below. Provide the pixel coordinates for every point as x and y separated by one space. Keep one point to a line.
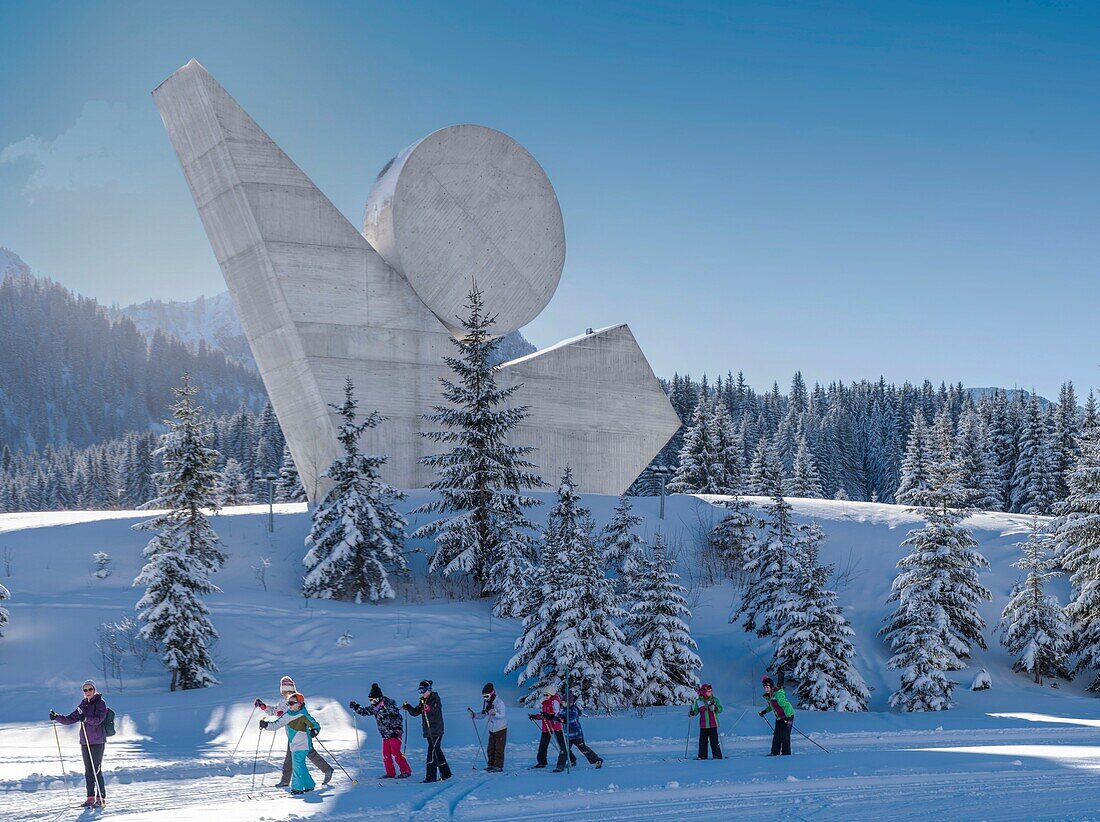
91 713
573 714
707 707
493 710
430 711
549 717
300 730
388 716
286 688
784 717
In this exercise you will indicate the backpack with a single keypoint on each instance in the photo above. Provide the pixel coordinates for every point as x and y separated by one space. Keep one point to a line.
109 723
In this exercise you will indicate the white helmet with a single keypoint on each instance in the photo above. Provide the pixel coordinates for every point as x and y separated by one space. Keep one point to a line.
550 690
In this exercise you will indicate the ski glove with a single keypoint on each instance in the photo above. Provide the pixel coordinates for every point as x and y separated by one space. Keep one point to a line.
259 703
314 731
692 712
54 714
355 706
263 724
534 716
763 711
80 712
406 705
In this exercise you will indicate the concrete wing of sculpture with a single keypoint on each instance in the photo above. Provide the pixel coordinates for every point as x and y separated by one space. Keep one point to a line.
319 303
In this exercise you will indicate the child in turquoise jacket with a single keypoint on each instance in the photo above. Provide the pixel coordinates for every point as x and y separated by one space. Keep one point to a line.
300 730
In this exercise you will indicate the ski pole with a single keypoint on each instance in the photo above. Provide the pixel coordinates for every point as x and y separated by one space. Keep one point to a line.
64 773
480 744
734 725
358 752
337 761
804 735
271 747
95 771
255 759
245 728
687 739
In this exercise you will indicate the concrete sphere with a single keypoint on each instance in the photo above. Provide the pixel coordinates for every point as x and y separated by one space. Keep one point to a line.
469 203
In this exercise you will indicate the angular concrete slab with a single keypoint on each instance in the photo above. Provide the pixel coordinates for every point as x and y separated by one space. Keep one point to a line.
319 303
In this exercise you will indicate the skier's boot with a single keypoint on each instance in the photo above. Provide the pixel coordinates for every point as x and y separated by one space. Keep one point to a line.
282 784
599 764
328 776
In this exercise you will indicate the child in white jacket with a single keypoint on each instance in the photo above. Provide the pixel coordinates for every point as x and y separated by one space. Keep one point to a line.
493 711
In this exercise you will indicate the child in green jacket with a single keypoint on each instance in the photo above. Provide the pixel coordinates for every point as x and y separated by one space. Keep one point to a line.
707 707
784 717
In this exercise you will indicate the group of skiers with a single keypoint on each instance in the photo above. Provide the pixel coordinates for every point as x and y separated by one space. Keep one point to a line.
558 719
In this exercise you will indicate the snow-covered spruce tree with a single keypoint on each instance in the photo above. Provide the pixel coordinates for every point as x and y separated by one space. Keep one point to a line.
1033 626
623 550
698 458
484 532
357 533
185 551
923 655
269 443
657 631
1066 443
576 628
4 594
1034 482
757 478
939 576
1077 536
912 489
974 463
288 487
233 487
813 645
770 560
735 536
728 468
806 482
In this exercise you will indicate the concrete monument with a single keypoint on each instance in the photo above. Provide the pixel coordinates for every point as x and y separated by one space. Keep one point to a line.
320 302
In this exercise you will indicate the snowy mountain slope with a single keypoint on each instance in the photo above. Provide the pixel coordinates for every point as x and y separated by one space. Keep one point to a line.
171 759
212 320
12 265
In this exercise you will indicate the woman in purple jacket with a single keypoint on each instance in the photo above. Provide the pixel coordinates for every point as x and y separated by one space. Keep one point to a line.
90 713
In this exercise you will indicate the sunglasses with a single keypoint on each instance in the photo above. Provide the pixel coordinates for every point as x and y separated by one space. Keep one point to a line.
89 690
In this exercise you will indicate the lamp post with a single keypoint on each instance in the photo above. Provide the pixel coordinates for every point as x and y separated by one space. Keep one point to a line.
663 472
270 479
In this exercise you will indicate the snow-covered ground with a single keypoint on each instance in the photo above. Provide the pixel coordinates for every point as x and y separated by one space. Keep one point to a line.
1017 751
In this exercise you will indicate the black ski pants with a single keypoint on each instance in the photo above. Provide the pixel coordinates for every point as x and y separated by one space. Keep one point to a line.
781 737
495 752
93 769
436 759
709 735
544 744
589 754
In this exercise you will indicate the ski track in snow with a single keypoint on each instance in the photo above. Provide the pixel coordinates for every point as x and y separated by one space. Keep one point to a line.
866 776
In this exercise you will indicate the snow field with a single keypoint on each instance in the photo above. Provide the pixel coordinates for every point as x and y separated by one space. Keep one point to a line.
171 758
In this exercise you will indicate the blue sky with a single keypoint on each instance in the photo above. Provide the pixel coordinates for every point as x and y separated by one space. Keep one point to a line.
848 188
